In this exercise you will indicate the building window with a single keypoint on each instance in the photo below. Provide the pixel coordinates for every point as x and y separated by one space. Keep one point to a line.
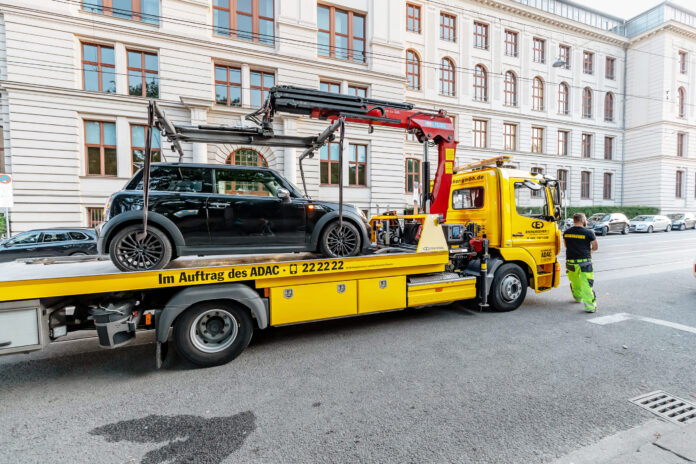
250 20
330 87
448 27
537 139
481 35
98 68
143 78
609 107
607 186
538 94
447 77
540 171
681 102
587 103
228 86
563 142
245 157
682 62
480 133
608 148
357 164
100 148
413 172
610 68
562 175
678 185
146 11
95 216
341 33
564 55
328 169
357 91
587 145
261 83
480 83
510 89
539 50
511 43
413 18
588 62
681 144
510 136
138 138
413 70
585 185
563 98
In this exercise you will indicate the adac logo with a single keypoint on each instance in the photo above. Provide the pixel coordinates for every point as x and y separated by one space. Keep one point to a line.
537 225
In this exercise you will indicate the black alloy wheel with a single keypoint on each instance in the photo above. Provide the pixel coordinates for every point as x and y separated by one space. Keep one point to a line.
129 253
338 241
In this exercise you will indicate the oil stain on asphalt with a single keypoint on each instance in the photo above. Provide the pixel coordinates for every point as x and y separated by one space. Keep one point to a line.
188 438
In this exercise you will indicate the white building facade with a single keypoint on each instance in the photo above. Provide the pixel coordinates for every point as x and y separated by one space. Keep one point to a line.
600 102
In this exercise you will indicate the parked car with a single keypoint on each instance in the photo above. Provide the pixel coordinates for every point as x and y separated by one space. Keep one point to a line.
651 223
683 221
49 242
199 209
604 223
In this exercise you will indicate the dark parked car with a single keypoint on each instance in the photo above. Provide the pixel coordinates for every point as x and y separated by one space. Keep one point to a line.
605 223
683 221
49 242
199 209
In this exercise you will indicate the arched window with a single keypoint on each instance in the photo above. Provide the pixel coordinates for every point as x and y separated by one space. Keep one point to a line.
510 89
447 77
587 102
609 107
245 157
681 101
563 98
413 71
480 83
538 94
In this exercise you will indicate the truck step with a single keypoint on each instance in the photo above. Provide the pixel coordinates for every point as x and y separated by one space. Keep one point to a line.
437 278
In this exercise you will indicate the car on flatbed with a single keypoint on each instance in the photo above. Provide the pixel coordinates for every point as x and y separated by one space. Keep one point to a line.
202 209
41 243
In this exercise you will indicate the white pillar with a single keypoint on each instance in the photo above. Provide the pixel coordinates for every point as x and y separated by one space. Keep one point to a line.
289 154
121 58
123 148
246 85
200 150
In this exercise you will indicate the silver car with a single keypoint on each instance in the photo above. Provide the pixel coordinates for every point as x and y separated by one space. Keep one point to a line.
651 223
683 221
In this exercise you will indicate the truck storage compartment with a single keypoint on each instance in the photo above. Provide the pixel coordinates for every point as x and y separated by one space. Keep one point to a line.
21 327
381 294
299 303
439 288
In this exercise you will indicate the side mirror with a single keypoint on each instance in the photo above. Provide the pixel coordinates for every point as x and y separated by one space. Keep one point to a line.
532 185
557 212
283 194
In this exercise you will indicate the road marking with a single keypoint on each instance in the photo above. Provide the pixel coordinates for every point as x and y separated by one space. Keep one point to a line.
620 317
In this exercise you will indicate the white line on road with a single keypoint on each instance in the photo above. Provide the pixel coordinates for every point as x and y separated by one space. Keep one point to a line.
620 317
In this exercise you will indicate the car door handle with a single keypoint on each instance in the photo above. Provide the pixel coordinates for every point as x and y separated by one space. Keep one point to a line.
218 205
518 235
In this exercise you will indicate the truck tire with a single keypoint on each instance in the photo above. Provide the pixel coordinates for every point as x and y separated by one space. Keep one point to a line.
335 242
129 254
509 288
212 333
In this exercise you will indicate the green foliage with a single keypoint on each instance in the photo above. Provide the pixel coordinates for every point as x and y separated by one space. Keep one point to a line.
3 228
629 211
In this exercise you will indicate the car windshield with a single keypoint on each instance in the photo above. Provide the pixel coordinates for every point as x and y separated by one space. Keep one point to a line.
598 217
674 217
643 218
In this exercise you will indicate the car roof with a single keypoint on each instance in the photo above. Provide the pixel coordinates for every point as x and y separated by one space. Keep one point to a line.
214 166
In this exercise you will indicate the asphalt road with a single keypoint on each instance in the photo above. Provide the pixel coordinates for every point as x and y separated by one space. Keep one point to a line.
443 384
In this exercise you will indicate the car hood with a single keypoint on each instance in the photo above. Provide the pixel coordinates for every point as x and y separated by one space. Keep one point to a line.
641 223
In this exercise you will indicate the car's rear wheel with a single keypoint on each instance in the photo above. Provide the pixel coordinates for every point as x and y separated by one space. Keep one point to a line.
129 252
682 227
668 228
625 230
336 241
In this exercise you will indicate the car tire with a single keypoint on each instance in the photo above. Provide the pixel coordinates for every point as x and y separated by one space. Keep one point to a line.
668 228
231 327
650 229
625 230
509 288
337 243
605 231
682 227
151 253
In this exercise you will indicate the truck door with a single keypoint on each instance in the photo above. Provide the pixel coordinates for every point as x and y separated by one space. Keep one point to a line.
529 223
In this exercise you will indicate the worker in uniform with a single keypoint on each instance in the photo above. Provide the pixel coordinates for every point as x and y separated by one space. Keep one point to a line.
580 242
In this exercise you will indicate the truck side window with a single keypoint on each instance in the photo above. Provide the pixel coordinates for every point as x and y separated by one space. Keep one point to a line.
468 198
528 205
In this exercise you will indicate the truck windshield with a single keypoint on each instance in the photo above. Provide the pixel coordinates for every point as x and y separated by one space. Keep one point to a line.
531 202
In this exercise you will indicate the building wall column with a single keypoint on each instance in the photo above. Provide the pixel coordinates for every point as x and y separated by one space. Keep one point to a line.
199 115
246 85
289 154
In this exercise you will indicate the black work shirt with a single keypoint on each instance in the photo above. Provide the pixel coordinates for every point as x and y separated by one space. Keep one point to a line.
577 240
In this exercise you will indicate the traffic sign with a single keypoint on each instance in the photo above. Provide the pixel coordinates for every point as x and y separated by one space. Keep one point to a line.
6 191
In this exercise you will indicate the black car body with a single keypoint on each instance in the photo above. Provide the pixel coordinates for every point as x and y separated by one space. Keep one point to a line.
49 243
606 223
203 209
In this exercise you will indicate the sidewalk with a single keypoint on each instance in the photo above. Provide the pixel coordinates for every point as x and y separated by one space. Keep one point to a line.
655 442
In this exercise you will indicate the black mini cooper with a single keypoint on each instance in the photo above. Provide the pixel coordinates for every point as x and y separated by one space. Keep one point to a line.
200 209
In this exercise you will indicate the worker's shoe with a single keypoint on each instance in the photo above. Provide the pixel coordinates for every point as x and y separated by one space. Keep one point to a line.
591 309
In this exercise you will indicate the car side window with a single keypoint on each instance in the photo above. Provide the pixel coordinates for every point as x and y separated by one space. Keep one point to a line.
246 182
55 237
78 236
178 179
26 238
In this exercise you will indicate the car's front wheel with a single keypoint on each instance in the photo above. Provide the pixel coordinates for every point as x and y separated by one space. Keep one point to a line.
650 229
682 227
668 228
625 230
605 230
130 252
336 241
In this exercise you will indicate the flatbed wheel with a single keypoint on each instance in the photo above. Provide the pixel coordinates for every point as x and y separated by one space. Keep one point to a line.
213 333
509 287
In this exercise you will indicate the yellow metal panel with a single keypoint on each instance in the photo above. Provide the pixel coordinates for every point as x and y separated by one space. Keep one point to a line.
312 302
432 236
381 294
441 293
449 154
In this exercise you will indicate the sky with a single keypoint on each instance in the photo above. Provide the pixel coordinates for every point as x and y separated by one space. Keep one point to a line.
629 8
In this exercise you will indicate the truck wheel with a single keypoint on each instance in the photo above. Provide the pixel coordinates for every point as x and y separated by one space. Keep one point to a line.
130 254
509 288
336 242
214 333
